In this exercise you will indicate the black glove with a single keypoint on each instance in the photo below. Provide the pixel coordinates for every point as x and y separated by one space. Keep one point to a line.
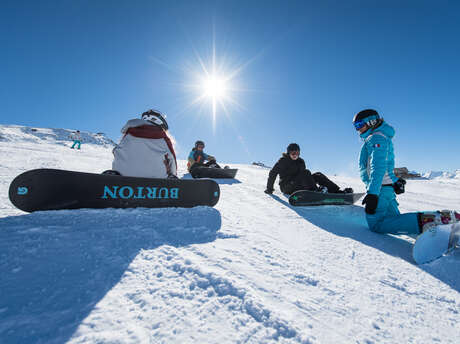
269 191
371 202
398 186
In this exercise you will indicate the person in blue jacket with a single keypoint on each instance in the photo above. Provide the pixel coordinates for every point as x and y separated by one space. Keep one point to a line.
376 165
197 158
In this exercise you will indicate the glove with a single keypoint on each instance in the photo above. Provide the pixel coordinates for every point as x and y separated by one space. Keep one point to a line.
398 186
371 202
268 191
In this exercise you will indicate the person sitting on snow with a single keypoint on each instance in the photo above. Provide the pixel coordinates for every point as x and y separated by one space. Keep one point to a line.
376 164
294 175
146 148
197 158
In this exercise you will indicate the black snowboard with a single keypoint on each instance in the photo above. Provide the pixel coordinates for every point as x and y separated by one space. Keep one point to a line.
212 172
304 198
49 189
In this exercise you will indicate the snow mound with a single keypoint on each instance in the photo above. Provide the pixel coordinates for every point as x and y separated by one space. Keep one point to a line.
18 133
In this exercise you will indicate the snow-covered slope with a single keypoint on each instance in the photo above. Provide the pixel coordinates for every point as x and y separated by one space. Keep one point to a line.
442 174
252 269
18 133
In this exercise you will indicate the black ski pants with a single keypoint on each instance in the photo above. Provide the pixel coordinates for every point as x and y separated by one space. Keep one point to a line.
199 164
309 181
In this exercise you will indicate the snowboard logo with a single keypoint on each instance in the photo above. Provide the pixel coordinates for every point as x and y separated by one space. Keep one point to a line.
22 190
140 192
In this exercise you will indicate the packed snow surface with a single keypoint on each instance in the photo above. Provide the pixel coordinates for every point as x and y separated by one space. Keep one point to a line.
250 270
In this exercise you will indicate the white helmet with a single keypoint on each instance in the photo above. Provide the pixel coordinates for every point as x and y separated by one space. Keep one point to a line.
155 117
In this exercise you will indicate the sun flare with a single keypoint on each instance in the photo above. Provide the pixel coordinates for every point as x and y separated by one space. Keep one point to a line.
214 87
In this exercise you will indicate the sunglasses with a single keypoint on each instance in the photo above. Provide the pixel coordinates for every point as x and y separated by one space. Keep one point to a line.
294 152
359 124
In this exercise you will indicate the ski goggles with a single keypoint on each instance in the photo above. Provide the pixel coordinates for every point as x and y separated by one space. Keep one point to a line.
359 124
152 118
294 152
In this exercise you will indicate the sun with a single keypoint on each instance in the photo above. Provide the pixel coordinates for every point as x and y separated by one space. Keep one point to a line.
214 82
214 87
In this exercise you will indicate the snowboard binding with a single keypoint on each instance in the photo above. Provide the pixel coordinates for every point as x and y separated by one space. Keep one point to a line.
428 220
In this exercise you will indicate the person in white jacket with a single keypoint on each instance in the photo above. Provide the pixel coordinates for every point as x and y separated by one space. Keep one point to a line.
146 148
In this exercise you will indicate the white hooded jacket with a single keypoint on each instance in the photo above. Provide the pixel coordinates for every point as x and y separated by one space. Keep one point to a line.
145 150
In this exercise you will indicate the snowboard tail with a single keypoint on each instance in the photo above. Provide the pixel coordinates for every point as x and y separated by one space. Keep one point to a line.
212 172
312 198
51 189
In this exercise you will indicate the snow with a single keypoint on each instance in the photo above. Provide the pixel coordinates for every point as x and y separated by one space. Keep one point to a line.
252 269
442 174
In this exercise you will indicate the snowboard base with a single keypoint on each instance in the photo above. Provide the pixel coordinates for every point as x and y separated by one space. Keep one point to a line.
51 189
212 172
312 198
436 242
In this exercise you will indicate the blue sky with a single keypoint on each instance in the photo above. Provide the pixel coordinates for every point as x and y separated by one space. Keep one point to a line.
299 72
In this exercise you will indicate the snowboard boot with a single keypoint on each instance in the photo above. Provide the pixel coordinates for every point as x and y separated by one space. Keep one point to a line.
346 191
323 189
428 220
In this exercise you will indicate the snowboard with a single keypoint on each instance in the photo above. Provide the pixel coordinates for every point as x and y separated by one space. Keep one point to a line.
212 172
51 189
307 198
435 242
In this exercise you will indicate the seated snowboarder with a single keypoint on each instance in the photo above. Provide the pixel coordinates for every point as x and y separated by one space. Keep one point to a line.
376 164
294 175
197 158
146 149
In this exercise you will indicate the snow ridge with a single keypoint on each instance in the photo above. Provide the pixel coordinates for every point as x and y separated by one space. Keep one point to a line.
17 133
442 174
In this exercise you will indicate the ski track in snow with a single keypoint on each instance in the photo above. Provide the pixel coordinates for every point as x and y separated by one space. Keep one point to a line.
251 270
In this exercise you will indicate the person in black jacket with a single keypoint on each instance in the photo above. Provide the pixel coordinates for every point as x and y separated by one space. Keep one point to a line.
294 175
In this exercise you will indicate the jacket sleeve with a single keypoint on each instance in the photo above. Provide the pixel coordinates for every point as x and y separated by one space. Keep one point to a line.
363 165
391 164
272 175
208 157
378 154
303 167
191 160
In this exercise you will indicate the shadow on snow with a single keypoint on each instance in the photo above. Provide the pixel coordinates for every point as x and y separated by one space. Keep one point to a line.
350 222
56 266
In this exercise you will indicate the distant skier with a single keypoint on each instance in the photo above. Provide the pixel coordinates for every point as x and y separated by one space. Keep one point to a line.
376 164
197 158
76 137
294 175
146 149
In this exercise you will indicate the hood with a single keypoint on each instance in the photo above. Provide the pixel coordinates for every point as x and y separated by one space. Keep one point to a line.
132 123
286 156
384 128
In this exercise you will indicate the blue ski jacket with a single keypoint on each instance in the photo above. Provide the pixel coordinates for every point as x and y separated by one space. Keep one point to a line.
377 159
197 156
